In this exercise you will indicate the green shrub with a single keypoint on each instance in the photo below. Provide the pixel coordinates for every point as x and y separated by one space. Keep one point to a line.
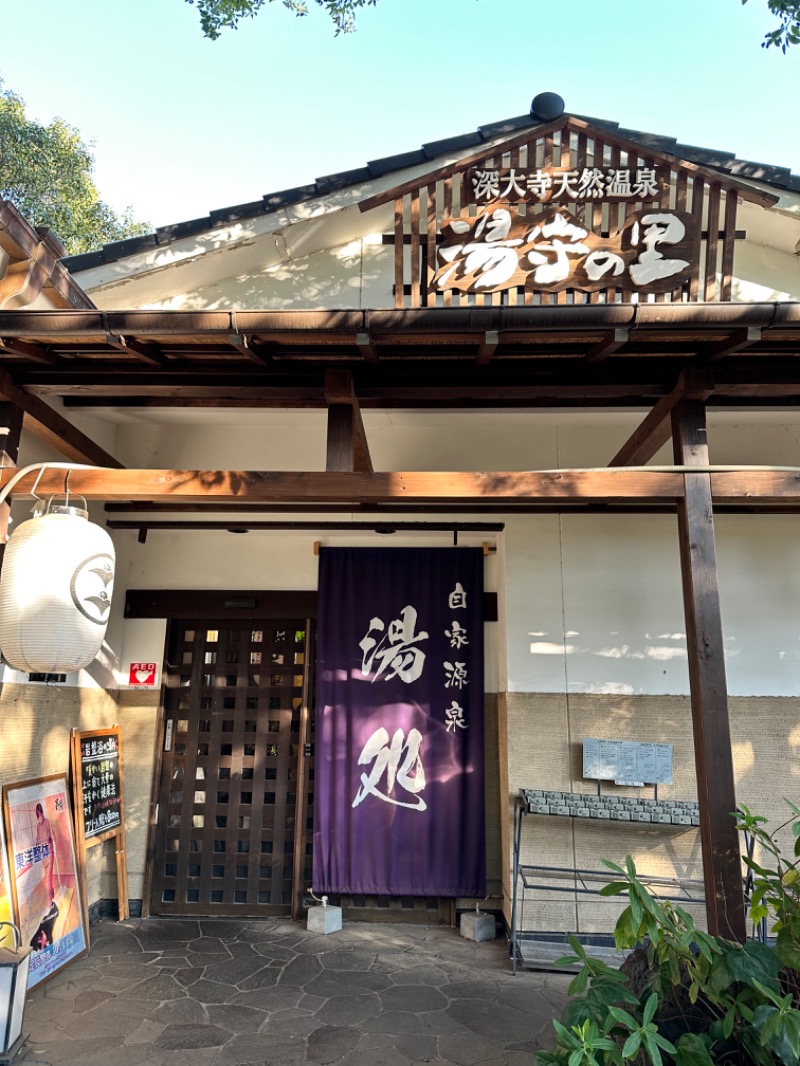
684 996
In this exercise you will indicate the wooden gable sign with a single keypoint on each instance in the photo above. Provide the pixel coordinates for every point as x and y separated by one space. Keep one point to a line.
565 213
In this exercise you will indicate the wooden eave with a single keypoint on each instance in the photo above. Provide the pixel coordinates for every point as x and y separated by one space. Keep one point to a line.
601 355
34 257
579 126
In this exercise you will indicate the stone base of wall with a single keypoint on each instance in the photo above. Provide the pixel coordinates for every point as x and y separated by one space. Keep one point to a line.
543 740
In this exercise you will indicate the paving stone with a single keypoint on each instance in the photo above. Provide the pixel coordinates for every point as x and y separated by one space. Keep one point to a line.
144 1033
87 1000
235 1018
258 1048
234 971
183 1037
479 989
158 987
167 929
492 1020
390 1056
419 1046
331 1042
346 959
412 999
124 944
387 1022
128 966
346 983
292 1024
212 992
193 1057
529 1000
349 1010
228 928
187 976
63 1050
266 977
313 1003
421 975
301 971
277 997
208 945
468 1049
268 949
180 1012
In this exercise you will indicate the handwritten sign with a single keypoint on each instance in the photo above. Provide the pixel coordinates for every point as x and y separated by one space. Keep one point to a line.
100 782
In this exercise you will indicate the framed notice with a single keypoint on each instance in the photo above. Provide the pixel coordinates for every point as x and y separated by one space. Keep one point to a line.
627 762
45 877
97 796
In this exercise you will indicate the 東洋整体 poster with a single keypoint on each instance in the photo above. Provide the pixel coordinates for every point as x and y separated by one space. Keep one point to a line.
44 874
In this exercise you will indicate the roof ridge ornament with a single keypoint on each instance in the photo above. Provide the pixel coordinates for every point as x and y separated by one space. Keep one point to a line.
547 106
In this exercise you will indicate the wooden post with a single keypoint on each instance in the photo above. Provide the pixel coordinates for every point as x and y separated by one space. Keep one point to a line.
340 452
10 430
722 864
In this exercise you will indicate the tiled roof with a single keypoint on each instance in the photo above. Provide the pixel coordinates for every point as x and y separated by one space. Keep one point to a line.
779 177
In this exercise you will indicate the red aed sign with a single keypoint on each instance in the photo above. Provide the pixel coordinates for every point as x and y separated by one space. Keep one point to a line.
142 674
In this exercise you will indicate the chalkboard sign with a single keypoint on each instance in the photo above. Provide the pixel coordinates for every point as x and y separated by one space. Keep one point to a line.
97 799
99 776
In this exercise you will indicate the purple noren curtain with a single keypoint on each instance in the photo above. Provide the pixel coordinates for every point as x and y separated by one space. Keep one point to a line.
399 758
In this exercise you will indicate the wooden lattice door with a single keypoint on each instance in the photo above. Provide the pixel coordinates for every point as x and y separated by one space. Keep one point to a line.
232 833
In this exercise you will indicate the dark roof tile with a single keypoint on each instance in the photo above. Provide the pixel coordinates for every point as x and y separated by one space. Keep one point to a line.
378 167
720 160
343 179
451 144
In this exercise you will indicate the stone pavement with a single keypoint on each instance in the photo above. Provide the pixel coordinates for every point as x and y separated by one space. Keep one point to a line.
269 993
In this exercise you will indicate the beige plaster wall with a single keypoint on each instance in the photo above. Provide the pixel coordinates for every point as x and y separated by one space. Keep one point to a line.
544 734
36 721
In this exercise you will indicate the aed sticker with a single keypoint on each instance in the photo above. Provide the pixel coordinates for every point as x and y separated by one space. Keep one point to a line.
142 674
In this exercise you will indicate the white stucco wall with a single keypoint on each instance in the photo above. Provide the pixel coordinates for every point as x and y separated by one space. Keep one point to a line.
589 603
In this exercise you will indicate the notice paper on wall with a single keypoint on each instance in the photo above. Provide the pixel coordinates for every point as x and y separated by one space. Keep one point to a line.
627 762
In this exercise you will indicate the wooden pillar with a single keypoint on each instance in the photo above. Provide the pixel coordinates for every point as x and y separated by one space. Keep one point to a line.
10 429
341 451
722 865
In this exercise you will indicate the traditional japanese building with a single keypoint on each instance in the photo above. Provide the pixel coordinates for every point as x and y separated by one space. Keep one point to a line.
569 345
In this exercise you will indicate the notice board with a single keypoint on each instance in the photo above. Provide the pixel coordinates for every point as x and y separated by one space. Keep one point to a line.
98 798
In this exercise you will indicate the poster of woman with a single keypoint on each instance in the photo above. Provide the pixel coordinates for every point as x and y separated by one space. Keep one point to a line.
43 874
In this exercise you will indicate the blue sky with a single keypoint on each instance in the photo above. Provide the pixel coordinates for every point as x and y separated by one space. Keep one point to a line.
182 125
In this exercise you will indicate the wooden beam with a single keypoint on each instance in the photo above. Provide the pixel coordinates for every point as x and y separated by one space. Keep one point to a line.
366 347
656 429
144 351
53 429
487 347
612 342
244 344
737 342
34 352
716 789
408 489
347 448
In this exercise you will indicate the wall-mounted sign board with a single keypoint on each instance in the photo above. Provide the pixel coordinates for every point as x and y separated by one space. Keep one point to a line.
98 800
627 762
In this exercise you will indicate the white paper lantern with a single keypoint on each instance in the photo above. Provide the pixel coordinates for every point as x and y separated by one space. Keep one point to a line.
55 591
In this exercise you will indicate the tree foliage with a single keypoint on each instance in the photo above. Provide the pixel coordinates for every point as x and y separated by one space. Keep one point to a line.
217 15
46 172
787 32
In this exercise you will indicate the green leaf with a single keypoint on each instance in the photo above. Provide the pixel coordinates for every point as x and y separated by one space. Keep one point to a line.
623 1017
613 888
613 866
578 984
727 1023
650 1009
576 1057
652 1049
692 1050
631 1045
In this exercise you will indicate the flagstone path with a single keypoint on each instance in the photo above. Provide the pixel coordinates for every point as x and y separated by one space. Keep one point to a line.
175 992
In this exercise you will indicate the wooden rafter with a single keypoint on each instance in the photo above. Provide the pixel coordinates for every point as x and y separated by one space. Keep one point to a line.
52 428
656 429
145 351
